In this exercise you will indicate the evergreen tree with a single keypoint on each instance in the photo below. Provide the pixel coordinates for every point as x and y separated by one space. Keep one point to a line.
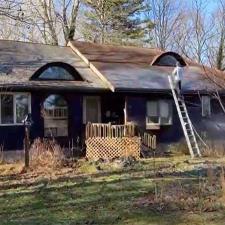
115 21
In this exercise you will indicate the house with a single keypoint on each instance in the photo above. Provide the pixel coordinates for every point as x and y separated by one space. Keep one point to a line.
65 87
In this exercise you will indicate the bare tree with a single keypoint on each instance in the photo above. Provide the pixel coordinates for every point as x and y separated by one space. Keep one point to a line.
48 21
216 51
55 20
166 16
11 9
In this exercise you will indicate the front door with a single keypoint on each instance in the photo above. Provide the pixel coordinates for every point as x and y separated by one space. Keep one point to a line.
91 109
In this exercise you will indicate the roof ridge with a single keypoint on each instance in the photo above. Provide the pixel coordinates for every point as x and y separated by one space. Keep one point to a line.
119 46
33 43
91 66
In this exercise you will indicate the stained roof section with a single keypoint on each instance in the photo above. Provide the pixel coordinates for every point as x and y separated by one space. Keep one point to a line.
20 60
129 69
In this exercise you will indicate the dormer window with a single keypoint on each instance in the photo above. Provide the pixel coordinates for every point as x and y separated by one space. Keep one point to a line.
169 59
57 71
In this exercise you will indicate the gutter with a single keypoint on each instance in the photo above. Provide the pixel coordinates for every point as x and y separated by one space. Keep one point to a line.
91 66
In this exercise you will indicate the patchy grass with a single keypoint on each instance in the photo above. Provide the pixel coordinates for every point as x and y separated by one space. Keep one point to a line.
99 193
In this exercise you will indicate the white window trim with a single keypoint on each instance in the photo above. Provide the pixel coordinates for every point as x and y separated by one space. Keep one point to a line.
85 107
210 109
160 118
14 107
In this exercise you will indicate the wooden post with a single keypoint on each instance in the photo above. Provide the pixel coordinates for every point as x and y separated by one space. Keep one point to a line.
26 147
125 111
27 125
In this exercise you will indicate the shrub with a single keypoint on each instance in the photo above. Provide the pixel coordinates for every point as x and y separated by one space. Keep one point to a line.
46 153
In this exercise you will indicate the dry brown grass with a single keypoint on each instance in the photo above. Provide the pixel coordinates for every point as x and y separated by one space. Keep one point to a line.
214 149
222 182
45 154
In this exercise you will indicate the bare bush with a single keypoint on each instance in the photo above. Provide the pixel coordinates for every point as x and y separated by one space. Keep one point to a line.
179 148
45 153
214 149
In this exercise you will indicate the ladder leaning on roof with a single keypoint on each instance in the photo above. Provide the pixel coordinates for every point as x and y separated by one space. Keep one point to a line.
185 122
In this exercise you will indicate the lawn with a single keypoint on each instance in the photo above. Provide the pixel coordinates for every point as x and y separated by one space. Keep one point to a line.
113 195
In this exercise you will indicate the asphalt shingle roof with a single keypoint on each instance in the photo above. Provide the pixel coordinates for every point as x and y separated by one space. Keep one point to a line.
130 69
19 61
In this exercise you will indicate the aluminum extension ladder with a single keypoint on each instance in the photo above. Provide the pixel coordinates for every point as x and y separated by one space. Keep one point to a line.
185 122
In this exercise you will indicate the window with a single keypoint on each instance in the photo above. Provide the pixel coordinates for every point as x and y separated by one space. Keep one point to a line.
206 106
55 107
22 102
14 107
158 113
169 59
91 109
7 111
55 113
57 71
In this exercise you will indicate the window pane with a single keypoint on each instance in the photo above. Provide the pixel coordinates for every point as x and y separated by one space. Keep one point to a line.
152 109
206 107
164 109
152 112
152 119
165 112
167 60
54 101
21 107
7 109
56 73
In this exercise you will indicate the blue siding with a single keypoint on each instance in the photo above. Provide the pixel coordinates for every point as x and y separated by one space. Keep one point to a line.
11 137
214 126
136 112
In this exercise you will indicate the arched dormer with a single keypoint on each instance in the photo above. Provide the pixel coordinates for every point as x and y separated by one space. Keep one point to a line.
168 59
57 71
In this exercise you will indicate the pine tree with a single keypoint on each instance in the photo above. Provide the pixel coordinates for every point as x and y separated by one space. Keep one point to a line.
115 21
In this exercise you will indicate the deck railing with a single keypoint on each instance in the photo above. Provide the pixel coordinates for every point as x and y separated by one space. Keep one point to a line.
149 140
107 130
